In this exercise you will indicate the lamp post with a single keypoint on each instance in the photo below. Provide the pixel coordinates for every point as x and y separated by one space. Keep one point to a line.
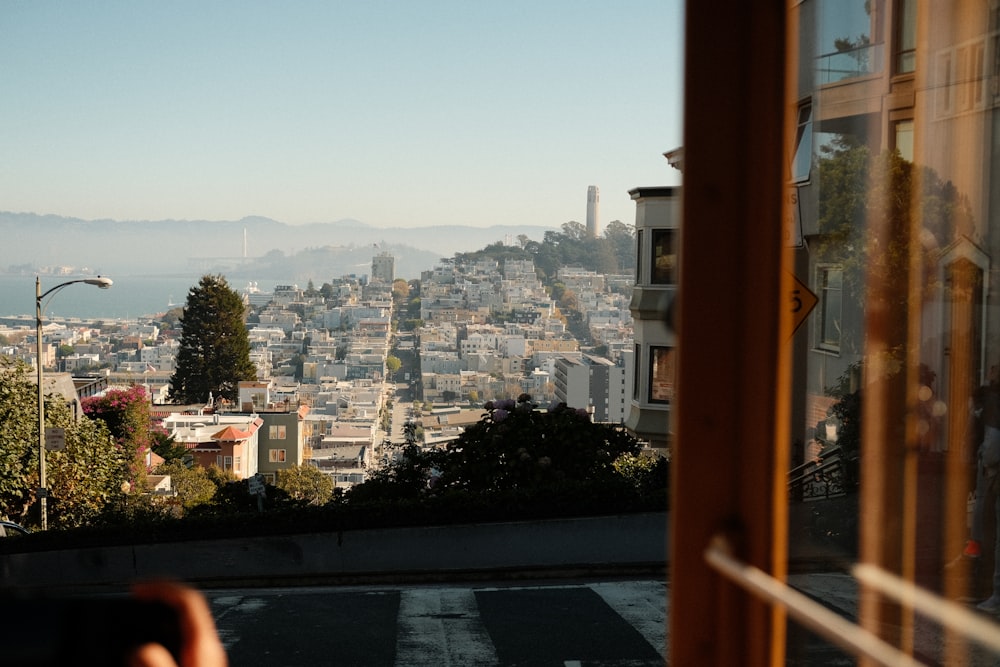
103 283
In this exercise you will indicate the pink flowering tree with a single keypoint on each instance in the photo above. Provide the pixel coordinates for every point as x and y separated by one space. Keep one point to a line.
126 414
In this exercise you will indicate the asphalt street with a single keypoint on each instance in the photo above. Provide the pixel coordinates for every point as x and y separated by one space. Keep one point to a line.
563 625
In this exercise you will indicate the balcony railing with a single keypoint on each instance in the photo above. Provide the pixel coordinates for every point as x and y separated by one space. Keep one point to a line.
850 63
816 480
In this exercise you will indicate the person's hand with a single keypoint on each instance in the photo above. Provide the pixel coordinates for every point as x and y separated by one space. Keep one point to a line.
200 645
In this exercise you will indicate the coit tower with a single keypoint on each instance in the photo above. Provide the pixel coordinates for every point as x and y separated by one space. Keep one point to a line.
593 202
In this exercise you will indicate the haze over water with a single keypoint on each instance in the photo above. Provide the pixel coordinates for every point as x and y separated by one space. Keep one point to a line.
130 296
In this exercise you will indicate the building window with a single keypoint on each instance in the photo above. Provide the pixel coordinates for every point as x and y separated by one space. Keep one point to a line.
236 463
977 74
945 78
638 256
661 374
276 455
831 288
906 36
904 139
664 268
227 462
802 160
844 45
995 44
637 364
962 81
276 432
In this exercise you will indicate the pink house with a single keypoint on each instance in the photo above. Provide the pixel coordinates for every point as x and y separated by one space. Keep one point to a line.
231 449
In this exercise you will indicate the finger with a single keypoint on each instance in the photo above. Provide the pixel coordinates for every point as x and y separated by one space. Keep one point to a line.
200 644
151 655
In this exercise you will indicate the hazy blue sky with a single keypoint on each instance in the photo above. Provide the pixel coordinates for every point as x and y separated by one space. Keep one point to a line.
405 113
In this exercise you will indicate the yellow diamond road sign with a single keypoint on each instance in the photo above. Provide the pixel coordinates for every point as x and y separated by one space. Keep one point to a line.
803 301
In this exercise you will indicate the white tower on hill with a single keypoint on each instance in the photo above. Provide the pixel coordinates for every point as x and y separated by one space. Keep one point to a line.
593 212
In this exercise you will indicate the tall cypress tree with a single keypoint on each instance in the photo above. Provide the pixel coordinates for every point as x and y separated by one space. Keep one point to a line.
214 353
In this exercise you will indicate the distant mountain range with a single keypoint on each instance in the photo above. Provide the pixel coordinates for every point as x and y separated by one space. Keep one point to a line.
253 247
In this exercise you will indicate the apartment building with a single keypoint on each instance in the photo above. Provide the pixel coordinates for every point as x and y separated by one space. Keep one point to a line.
282 438
596 384
383 268
228 441
657 223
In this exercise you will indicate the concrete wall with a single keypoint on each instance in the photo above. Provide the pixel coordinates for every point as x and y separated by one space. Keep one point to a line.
625 544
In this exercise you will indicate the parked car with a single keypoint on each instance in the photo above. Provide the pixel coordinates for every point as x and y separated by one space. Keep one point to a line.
11 529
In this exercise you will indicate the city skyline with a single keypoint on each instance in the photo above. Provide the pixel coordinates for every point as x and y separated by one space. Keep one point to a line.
392 114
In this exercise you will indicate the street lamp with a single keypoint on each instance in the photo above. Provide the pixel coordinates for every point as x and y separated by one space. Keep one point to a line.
103 283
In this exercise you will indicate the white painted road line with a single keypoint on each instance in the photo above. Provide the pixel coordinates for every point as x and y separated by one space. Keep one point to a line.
441 627
226 605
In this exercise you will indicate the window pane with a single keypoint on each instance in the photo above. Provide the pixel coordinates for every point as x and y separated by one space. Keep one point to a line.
638 256
906 49
664 265
661 376
636 376
904 139
831 300
890 400
802 161
847 47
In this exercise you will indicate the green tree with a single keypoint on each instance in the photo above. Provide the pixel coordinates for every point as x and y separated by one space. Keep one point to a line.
214 352
88 478
516 450
193 485
577 231
517 446
168 449
568 300
297 363
305 484
400 290
83 480
866 230
221 477
172 318
392 364
621 238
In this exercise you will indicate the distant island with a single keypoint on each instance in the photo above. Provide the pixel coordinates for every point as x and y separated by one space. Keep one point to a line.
251 248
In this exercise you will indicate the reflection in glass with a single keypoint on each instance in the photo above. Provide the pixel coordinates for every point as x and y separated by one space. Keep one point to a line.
664 269
661 385
894 404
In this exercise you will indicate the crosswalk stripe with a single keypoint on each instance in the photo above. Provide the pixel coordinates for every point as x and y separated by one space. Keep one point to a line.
441 627
643 604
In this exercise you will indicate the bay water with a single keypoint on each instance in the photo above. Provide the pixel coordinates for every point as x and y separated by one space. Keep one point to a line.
130 297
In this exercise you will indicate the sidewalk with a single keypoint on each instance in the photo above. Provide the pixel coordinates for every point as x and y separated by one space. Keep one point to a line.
932 645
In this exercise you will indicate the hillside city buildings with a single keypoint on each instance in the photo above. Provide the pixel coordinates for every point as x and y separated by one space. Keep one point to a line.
329 413
487 330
